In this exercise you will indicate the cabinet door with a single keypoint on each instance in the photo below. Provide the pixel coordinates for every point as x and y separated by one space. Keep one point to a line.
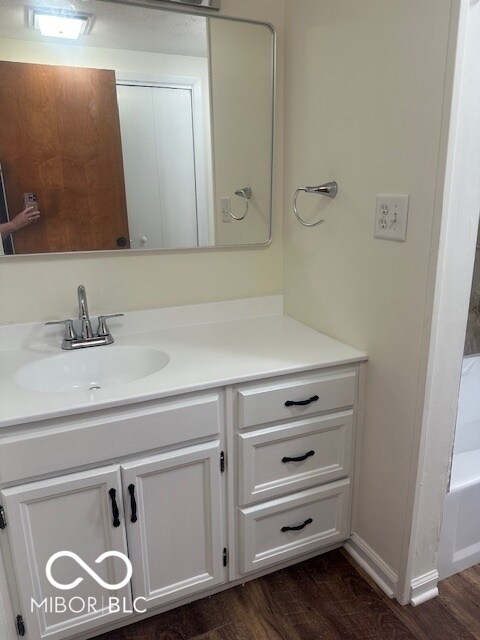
174 525
73 513
156 125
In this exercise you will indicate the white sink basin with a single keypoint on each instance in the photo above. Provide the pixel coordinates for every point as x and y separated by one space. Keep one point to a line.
91 368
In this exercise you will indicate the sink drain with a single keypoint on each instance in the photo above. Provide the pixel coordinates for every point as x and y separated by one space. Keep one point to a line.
94 387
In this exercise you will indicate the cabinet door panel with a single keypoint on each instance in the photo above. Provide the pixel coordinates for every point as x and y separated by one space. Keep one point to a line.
72 513
176 542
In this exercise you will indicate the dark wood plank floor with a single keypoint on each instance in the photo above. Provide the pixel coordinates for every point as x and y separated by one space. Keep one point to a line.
327 598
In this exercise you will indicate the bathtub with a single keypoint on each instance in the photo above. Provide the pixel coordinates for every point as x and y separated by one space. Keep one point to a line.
460 536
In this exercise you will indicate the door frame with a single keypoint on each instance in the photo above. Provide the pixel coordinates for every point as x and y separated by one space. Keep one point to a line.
6 245
452 263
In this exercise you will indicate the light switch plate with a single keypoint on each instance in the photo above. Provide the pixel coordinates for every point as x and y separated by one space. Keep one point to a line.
391 216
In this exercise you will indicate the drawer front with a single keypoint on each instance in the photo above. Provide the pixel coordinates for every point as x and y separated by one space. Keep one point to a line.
110 435
272 402
294 456
282 529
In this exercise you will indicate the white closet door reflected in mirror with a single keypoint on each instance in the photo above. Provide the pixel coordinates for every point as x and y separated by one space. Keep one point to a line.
161 168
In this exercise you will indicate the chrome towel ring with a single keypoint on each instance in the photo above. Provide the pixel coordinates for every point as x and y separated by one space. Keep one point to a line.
245 193
329 189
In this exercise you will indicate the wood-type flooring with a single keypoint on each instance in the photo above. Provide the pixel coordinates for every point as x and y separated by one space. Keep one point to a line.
327 598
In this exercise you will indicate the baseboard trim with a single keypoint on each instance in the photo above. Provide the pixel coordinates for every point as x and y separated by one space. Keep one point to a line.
424 588
372 564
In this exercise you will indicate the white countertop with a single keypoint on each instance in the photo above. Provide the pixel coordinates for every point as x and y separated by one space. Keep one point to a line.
208 345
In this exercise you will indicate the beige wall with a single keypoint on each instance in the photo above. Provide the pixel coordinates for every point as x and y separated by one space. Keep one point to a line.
364 99
241 153
44 287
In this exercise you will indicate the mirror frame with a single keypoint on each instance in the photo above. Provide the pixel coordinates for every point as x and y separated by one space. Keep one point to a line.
178 6
204 4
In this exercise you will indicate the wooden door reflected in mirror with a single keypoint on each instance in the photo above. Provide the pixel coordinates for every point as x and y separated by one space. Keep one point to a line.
60 138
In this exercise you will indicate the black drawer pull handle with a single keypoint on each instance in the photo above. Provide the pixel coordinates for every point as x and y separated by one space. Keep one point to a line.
133 503
116 519
299 528
309 454
301 403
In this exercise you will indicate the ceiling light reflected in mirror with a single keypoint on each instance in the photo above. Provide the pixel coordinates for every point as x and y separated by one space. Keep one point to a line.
57 23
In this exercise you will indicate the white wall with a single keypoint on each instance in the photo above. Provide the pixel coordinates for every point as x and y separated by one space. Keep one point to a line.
97 58
365 86
44 287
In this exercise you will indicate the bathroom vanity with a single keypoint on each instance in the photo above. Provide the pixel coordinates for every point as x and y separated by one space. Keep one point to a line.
234 459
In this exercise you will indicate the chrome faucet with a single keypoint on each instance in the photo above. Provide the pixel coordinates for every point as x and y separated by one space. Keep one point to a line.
87 336
87 331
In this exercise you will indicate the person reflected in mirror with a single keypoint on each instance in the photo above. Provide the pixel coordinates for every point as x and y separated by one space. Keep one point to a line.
23 219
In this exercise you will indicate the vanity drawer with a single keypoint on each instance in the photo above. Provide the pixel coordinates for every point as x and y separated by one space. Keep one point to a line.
110 435
259 404
294 456
276 531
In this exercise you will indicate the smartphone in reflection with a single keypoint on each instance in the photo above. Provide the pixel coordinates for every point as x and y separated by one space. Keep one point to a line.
30 200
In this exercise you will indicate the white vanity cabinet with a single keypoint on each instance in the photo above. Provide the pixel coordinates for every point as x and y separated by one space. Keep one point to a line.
295 448
209 486
171 522
159 501
234 460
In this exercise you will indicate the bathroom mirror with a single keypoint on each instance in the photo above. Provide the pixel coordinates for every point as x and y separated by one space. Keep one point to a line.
152 130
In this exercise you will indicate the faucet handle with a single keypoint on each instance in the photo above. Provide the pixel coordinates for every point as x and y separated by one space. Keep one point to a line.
102 323
70 333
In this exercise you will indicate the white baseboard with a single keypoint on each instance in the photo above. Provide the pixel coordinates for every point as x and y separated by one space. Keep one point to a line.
370 562
424 588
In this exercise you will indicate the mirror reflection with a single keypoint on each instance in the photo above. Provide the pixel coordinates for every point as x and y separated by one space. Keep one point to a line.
151 130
